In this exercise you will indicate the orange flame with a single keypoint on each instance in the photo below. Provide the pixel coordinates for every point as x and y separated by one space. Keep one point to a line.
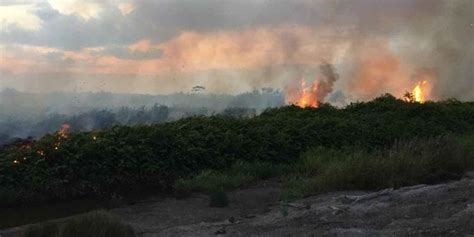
421 91
63 133
305 96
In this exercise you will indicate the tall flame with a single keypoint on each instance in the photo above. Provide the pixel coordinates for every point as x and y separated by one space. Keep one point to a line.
305 96
420 92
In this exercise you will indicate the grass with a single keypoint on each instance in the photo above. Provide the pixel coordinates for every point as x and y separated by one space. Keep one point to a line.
322 169
405 163
467 141
97 224
240 174
16 215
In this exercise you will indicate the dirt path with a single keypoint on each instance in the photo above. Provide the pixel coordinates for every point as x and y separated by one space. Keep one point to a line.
154 217
421 210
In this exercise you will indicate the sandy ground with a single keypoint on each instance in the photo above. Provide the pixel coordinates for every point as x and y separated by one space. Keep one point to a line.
437 210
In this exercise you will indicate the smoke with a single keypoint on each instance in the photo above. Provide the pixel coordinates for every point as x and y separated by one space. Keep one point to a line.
395 44
298 92
376 47
326 84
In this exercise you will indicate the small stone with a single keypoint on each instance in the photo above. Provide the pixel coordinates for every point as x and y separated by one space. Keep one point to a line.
469 175
220 232
249 216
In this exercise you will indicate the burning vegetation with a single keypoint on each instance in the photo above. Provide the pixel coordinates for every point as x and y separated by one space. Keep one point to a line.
155 156
35 150
310 94
304 96
63 134
419 92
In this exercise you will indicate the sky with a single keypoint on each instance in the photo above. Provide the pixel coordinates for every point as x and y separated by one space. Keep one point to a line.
232 46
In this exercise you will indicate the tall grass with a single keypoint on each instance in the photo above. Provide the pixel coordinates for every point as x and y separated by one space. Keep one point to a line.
419 160
241 173
97 224
405 163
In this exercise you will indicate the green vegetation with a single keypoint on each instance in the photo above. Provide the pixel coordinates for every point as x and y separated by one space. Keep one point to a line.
20 215
405 163
239 174
218 198
98 224
320 169
95 164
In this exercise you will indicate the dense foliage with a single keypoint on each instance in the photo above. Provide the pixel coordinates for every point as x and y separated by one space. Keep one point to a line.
124 158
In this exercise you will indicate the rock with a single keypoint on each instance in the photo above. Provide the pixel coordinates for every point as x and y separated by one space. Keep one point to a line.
366 197
420 210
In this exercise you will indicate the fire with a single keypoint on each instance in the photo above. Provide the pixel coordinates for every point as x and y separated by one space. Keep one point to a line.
308 97
421 91
63 134
64 131
305 96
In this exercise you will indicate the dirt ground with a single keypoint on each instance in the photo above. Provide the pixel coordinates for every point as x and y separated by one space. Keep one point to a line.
422 210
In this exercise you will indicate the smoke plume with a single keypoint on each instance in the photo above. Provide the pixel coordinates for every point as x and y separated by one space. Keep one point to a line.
376 46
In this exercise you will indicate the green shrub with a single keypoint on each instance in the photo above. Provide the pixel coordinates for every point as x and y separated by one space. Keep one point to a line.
467 141
154 157
218 198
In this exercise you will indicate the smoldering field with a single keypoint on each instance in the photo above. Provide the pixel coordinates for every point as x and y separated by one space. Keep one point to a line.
35 114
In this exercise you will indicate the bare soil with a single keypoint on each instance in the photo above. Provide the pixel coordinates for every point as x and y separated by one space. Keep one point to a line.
423 210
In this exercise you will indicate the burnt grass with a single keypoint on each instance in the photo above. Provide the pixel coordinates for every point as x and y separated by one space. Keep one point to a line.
126 160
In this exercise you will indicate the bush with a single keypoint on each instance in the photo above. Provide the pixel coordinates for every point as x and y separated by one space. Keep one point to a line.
218 198
97 224
154 157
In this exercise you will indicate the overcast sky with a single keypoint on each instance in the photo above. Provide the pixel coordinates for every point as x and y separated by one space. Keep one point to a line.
230 46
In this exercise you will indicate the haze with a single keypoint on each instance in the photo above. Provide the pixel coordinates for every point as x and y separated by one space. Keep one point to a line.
160 47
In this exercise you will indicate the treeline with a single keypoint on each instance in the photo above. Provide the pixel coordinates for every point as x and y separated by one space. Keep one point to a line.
12 130
34 114
129 158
